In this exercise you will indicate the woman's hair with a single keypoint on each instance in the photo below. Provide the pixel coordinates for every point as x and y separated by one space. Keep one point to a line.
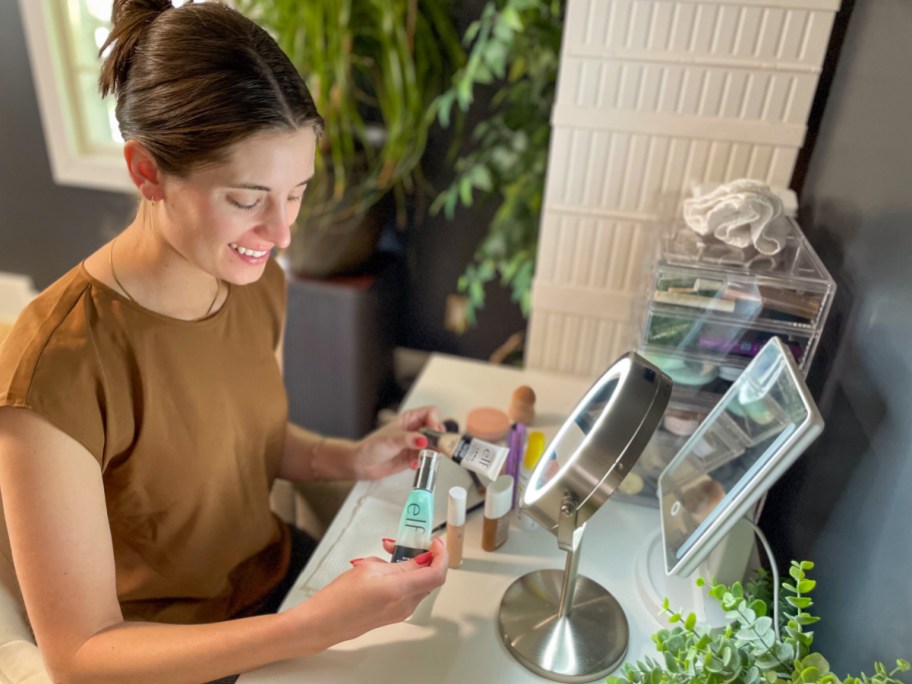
192 81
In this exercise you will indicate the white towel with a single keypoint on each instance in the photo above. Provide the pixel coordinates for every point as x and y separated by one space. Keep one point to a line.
741 213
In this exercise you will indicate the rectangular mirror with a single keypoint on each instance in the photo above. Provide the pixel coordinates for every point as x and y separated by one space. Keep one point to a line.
764 421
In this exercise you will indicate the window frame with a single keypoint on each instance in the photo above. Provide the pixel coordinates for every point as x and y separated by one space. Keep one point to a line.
56 88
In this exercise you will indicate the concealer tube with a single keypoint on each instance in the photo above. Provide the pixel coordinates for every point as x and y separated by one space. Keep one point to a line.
498 504
471 453
455 533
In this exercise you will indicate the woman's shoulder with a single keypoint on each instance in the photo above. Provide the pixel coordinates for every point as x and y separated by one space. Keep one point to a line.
52 332
49 362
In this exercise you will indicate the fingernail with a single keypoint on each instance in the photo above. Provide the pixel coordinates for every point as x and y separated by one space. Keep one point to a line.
421 442
413 465
424 558
391 541
355 561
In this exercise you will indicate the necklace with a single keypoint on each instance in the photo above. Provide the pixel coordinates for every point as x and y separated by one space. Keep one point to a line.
218 283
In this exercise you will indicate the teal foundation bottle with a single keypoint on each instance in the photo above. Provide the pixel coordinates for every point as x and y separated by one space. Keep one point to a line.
417 520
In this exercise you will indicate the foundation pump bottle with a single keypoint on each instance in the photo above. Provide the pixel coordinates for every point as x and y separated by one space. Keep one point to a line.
417 520
498 504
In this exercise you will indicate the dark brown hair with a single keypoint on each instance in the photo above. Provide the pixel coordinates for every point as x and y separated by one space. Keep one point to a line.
192 81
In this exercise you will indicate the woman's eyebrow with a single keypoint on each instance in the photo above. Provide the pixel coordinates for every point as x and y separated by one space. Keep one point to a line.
262 188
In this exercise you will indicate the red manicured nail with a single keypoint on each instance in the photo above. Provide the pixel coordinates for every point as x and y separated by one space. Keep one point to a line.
424 558
355 561
391 541
413 465
421 442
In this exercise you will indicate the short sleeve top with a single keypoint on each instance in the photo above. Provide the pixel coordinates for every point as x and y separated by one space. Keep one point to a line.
187 422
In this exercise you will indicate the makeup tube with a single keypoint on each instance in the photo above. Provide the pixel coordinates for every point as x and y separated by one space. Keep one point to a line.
414 535
470 452
455 532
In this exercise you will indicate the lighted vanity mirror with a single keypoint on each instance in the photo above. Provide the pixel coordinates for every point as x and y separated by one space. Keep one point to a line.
764 421
599 442
559 624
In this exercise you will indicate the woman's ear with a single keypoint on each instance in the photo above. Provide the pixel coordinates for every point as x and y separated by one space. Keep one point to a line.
143 170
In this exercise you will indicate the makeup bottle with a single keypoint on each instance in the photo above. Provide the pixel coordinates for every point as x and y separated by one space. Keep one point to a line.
498 504
455 531
470 452
414 535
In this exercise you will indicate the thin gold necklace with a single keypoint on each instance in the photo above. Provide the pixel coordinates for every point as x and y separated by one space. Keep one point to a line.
218 283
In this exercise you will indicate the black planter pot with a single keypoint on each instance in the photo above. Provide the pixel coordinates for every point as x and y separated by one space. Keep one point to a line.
330 245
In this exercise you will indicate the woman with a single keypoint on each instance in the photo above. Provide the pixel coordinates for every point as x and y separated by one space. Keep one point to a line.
142 413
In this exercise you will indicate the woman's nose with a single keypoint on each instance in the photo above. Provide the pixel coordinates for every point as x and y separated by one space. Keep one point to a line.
278 225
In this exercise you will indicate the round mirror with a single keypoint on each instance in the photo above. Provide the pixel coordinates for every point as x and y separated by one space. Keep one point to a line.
562 625
599 442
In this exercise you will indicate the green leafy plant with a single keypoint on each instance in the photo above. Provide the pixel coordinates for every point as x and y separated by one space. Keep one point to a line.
375 69
514 47
749 649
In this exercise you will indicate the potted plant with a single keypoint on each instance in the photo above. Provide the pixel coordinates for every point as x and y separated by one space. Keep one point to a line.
760 644
374 68
515 49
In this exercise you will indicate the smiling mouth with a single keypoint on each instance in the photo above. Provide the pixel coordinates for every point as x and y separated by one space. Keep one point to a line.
255 253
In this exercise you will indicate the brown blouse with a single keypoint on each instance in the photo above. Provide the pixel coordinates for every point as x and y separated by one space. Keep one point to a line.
186 420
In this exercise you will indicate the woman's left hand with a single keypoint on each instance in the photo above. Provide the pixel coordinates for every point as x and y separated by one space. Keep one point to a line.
395 446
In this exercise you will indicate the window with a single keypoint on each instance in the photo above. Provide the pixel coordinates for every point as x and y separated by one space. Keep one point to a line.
81 133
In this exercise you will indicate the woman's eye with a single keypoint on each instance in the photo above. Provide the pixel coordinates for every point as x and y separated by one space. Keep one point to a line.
242 205
294 198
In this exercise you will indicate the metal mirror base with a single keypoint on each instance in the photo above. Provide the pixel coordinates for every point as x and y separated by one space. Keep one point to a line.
586 644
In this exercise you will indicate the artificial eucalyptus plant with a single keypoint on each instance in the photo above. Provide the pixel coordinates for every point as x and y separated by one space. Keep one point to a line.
375 68
514 49
752 648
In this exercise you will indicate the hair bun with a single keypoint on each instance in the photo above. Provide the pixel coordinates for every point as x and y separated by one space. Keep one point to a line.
130 19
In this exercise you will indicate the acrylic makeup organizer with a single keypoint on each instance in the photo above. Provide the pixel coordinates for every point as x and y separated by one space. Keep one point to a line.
709 309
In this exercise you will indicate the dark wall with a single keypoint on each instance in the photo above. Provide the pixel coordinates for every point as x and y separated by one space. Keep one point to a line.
845 504
45 229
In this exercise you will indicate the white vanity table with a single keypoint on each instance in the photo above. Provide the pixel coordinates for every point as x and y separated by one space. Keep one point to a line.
457 640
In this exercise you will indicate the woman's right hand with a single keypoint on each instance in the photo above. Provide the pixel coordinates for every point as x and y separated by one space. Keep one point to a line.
373 593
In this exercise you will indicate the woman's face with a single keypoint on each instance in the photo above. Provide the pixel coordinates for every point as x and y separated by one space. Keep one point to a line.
226 219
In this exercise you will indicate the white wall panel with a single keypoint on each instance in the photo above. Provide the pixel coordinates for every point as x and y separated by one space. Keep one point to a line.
654 97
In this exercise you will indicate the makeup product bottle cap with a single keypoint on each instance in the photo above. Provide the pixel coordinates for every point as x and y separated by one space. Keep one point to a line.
499 497
426 475
488 423
432 435
535 447
456 507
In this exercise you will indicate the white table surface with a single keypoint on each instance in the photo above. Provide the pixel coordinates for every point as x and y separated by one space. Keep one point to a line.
457 640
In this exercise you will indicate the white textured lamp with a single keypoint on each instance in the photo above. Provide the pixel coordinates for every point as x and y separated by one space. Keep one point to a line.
559 624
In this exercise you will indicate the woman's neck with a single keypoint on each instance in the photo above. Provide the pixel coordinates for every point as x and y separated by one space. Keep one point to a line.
144 267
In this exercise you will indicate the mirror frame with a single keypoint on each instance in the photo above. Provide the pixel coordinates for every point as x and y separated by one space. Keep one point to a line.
609 450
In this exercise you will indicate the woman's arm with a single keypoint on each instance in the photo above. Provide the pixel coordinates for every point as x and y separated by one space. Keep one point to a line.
56 517
394 447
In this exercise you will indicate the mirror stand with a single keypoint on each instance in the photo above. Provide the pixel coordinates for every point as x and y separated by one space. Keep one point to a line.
561 625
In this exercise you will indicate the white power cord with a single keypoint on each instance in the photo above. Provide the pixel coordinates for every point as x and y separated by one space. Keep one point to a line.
772 561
